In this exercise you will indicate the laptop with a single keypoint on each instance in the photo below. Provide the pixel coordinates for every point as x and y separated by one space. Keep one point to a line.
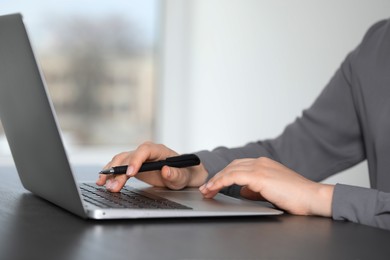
31 128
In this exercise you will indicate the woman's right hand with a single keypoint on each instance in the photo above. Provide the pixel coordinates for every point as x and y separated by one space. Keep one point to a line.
170 177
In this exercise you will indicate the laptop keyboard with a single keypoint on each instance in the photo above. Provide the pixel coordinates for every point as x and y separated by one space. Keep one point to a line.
127 198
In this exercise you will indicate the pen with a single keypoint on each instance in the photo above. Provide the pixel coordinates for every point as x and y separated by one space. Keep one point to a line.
181 161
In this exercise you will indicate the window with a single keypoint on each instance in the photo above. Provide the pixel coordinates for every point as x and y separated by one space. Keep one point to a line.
98 58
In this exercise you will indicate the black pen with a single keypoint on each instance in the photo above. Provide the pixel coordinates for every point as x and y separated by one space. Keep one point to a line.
181 161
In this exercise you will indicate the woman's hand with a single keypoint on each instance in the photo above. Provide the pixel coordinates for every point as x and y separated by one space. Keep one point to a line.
264 178
173 178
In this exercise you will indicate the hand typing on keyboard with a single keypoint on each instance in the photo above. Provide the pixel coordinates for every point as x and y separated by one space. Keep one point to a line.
173 178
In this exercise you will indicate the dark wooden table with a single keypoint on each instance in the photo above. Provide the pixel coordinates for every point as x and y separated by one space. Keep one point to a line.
31 228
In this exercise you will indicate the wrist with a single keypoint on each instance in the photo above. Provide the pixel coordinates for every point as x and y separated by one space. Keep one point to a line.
322 204
197 176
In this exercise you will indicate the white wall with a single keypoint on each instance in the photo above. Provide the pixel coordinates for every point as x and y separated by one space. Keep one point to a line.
237 71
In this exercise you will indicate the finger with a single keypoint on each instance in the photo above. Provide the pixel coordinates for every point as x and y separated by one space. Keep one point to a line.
101 180
239 175
116 183
210 194
232 175
247 193
144 152
174 178
117 160
103 177
147 152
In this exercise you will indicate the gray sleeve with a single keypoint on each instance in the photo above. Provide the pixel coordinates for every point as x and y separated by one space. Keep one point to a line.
326 139
361 205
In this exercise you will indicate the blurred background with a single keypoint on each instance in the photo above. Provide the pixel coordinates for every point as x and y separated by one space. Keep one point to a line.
99 60
191 74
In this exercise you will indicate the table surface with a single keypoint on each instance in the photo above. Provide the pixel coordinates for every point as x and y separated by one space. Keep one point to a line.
31 228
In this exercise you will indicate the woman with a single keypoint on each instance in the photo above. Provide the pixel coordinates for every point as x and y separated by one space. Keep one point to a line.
348 123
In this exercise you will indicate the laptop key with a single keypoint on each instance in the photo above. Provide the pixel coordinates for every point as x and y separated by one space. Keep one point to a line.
127 198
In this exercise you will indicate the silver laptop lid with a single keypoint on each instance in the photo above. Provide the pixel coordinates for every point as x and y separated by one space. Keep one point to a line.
29 122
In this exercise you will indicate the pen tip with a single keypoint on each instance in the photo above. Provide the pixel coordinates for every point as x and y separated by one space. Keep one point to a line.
104 172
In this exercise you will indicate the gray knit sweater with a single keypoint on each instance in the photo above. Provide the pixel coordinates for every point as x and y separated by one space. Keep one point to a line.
348 123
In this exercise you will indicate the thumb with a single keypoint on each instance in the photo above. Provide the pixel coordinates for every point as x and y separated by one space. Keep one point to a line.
174 178
249 194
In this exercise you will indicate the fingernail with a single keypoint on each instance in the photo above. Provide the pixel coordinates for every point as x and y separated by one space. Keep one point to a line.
169 174
209 185
130 170
112 185
108 183
202 187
